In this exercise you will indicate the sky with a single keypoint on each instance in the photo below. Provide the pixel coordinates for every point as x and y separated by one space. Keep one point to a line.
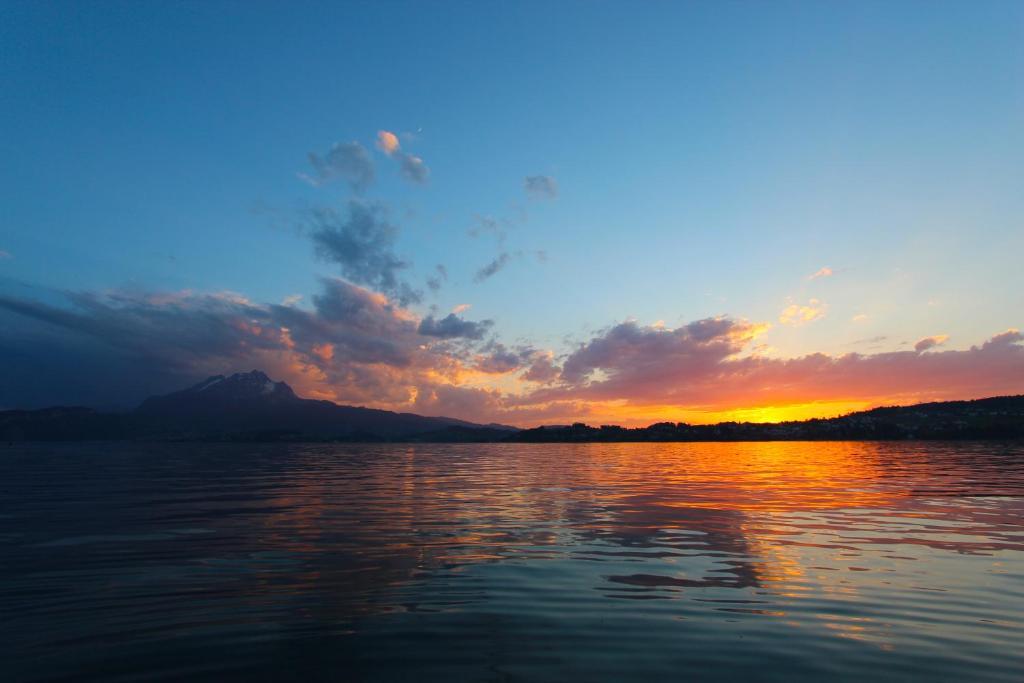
525 213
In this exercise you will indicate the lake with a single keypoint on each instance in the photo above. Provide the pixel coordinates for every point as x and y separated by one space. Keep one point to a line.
499 562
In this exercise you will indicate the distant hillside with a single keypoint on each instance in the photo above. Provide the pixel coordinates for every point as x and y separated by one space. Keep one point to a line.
241 407
252 407
988 418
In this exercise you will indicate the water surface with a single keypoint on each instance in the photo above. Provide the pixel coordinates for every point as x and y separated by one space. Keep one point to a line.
725 561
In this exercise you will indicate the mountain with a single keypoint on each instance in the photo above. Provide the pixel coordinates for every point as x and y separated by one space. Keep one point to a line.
241 407
220 394
252 407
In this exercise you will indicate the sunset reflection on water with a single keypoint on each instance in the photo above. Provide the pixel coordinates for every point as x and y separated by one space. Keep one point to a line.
606 562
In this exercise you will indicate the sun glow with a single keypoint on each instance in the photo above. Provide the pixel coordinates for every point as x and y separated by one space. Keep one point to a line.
785 413
631 415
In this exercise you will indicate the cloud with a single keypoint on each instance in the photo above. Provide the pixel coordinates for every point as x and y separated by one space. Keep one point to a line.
796 314
164 329
492 268
705 366
821 272
461 308
543 369
453 400
859 318
439 277
358 346
348 161
354 345
872 341
387 142
485 225
541 187
291 300
361 242
629 354
930 342
502 260
499 360
1011 336
412 168
451 327
5 254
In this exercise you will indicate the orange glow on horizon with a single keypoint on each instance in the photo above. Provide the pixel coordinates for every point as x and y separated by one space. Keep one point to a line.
311 381
623 414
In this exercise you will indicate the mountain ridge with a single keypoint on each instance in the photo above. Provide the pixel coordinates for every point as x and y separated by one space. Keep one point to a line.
253 407
241 406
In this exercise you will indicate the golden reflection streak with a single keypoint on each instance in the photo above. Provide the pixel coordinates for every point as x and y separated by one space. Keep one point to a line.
735 499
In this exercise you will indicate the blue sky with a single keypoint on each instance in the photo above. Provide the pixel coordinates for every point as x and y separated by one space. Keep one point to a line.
709 158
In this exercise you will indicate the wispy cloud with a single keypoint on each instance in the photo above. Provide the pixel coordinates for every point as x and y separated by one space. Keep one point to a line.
492 268
503 259
821 272
347 161
801 314
870 342
412 168
540 187
440 276
361 242
486 225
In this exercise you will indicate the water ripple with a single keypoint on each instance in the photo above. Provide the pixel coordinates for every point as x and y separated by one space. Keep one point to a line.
777 561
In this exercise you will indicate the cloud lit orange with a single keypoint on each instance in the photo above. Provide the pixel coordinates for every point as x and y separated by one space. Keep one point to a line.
360 347
797 314
387 141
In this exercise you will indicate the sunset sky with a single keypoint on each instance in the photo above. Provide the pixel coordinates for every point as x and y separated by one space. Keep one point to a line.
515 212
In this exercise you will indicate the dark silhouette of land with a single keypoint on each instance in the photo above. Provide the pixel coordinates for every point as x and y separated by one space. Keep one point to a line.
252 407
1000 417
241 407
